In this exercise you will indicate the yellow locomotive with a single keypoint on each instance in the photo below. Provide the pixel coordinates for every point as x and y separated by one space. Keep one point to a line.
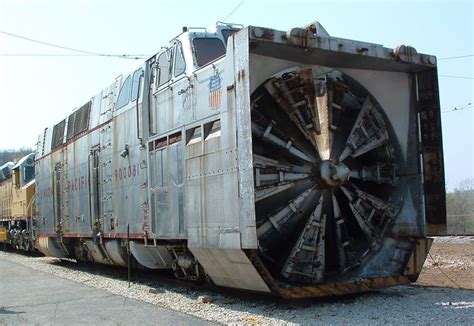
17 204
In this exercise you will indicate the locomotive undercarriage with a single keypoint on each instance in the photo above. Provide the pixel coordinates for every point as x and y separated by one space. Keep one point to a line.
19 235
140 254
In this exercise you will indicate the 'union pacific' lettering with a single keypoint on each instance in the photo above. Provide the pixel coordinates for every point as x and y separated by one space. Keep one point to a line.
77 184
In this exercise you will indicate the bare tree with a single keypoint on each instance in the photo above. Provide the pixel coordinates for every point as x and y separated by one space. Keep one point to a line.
460 208
12 155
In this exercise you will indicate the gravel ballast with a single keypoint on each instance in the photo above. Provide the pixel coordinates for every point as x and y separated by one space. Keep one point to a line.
396 305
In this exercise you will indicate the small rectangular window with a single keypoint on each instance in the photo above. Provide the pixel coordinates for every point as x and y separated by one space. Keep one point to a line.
160 143
78 121
175 138
81 122
70 126
58 134
193 135
212 129
6 172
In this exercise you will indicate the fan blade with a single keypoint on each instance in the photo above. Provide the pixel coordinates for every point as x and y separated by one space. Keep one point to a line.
379 173
372 214
369 132
306 261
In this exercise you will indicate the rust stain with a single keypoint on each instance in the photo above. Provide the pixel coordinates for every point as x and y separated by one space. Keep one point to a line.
241 75
421 247
325 290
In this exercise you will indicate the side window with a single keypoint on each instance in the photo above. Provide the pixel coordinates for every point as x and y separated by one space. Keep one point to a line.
81 122
193 135
124 95
228 32
6 172
70 126
212 129
58 134
28 173
136 84
179 63
78 121
164 67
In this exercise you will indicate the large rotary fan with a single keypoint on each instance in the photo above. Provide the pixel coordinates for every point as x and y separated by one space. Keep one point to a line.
326 170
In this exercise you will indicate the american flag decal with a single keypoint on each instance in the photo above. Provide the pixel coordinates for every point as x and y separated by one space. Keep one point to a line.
215 92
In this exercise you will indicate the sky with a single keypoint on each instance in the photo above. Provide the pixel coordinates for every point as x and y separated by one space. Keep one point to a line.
38 91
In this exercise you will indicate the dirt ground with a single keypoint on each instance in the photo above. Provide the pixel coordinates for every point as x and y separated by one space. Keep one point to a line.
451 263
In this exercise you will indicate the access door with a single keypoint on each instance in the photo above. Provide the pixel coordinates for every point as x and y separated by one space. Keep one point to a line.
94 185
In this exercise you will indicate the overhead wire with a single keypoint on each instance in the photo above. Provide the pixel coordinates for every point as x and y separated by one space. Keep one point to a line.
460 77
437 264
86 53
91 53
119 56
233 10
458 57
45 55
468 106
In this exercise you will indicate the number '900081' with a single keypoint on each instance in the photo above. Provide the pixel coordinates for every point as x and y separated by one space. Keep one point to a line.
126 172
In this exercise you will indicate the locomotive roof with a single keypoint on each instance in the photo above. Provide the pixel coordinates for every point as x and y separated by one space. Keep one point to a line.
24 160
6 170
215 31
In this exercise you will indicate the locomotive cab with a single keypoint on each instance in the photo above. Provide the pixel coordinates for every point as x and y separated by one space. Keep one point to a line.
190 51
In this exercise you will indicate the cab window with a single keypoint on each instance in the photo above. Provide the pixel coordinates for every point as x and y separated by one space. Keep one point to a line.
207 49
136 83
28 173
179 63
164 67
228 32
124 94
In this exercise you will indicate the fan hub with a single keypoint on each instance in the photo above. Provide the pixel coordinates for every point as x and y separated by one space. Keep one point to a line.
334 174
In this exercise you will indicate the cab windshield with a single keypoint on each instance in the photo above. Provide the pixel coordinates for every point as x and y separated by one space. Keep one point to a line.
207 50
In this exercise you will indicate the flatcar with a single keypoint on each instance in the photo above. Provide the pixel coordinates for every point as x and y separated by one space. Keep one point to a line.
286 162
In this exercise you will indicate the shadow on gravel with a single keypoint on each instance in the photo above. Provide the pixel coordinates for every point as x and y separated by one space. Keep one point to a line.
10 250
402 300
4 311
165 280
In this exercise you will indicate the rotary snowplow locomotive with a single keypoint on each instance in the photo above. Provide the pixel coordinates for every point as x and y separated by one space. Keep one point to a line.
288 162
